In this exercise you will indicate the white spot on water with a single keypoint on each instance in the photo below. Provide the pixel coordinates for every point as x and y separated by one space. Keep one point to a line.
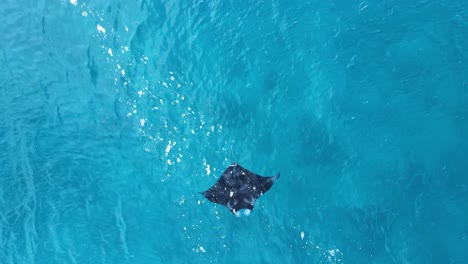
202 249
110 52
362 7
208 171
231 193
142 122
74 2
168 148
84 13
126 28
302 235
101 29
123 72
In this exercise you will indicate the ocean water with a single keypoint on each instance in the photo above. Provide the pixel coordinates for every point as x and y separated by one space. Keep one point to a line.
115 114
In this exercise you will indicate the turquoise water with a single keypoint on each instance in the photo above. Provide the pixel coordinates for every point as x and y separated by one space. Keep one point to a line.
116 114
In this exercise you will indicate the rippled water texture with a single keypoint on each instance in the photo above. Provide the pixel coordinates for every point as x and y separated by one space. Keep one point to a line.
114 115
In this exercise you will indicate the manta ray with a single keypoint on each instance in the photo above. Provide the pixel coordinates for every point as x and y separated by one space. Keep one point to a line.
239 188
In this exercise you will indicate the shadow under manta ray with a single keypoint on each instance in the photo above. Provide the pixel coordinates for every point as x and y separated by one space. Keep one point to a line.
239 188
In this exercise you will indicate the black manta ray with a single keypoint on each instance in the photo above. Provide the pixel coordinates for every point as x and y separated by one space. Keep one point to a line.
239 188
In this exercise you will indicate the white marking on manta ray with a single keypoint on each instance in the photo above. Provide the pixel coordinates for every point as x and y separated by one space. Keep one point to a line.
245 212
249 200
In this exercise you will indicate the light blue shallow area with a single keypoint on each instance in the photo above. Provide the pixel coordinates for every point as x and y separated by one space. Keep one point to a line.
114 115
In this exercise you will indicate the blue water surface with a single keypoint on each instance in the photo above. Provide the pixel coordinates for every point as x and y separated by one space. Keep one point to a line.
115 114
